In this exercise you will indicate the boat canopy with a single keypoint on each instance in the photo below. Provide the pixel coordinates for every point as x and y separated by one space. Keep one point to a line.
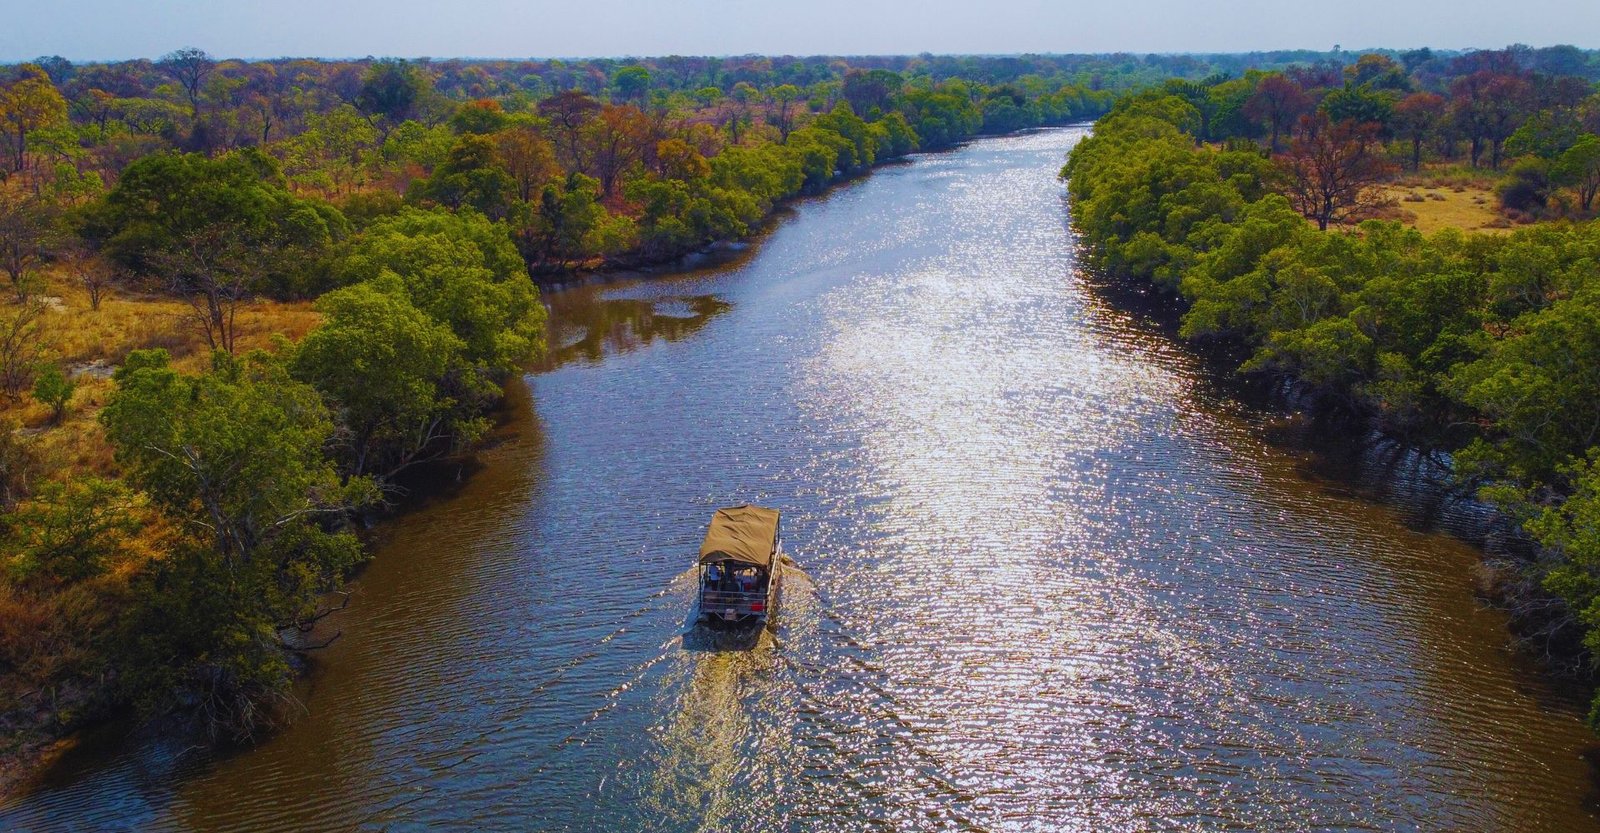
746 534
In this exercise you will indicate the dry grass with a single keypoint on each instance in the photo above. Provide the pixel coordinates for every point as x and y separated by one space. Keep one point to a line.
1430 209
98 340
1452 177
1441 196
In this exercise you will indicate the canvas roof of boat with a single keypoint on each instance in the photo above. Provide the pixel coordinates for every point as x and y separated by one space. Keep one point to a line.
747 534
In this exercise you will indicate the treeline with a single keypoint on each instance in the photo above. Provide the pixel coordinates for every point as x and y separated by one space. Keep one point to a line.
1480 108
1483 346
638 166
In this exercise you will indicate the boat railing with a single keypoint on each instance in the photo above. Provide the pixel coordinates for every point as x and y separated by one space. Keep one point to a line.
747 601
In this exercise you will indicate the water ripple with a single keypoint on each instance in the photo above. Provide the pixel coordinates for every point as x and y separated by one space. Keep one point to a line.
1046 577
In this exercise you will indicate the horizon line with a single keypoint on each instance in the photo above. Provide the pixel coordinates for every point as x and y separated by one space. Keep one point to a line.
798 56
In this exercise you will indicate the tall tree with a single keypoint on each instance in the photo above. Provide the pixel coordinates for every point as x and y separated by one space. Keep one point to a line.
1507 105
29 227
529 158
190 67
28 104
617 138
1579 167
1416 117
168 208
869 90
783 97
568 113
462 270
216 269
236 456
1332 169
632 83
21 349
471 176
1488 107
392 88
394 376
736 109
1377 72
1278 102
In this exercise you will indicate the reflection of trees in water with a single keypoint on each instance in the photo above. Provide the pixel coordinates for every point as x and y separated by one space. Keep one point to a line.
586 327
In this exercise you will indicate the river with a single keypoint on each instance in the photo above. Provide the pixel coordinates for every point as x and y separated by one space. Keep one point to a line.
1048 575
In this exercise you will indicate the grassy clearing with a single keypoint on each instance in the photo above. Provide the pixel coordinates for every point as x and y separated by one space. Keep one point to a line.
1431 207
91 343
1441 196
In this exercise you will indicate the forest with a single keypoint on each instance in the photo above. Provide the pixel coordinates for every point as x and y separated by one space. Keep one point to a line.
246 298
1264 207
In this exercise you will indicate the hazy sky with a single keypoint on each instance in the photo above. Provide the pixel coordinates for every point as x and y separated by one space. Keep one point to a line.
106 29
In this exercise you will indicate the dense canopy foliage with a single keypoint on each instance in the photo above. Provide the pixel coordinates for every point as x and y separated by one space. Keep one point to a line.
408 209
1484 346
413 203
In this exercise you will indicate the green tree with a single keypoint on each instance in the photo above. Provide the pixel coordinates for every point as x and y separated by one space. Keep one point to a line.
1529 186
54 388
861 150
418 144
461 270
784 97
472 176
1541 390
171 212
396 378
1546 134
393 88
1359 104
333 151
1579 167
71 530
870 91
236 457
1571 528
562 226
632 82
29 104
482 116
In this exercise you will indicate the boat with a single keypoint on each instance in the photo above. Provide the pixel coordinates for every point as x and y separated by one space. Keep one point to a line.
741 566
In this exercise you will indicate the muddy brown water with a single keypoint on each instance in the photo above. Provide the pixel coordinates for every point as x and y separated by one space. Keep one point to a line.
1046 577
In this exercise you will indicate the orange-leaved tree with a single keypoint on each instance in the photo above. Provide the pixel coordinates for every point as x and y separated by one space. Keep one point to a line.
1331 169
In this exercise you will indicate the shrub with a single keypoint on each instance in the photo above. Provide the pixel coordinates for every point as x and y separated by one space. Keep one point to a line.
54 388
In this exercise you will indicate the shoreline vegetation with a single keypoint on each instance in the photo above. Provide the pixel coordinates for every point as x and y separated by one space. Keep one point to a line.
1256 207
248 298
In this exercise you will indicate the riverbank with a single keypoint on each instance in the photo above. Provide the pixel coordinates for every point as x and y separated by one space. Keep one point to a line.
101 337
956 422
1433 342
723 251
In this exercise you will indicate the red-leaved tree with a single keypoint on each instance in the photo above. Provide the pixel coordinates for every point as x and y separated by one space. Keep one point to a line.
1332 170
1276 104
